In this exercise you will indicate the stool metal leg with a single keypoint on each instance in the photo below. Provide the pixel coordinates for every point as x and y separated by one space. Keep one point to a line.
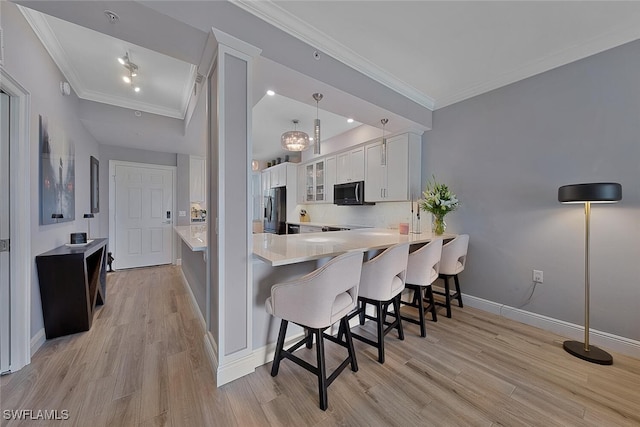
417 297
458 293
322 372
380 324
447 296
429 295
344 324
278 355
396 308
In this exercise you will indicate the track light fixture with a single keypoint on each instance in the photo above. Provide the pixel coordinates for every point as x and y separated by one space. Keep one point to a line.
132 71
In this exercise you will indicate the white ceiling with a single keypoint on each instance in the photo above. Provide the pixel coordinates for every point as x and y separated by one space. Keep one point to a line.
88 59
433 52
273 115
441 52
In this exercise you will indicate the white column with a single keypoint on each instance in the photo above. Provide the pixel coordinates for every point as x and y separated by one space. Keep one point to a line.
230 247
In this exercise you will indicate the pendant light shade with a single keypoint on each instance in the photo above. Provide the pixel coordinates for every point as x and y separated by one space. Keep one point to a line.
295 140
316 126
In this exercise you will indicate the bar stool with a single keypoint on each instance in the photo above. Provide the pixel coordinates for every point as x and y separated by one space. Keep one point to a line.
422 270
381 284
452 262
316 301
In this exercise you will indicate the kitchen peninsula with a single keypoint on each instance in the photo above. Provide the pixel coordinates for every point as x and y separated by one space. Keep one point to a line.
194 261
278 258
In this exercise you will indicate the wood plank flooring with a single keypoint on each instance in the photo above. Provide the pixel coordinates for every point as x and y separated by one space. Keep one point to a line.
143 364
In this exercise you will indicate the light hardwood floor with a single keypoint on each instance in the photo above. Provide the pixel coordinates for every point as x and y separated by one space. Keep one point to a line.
143 364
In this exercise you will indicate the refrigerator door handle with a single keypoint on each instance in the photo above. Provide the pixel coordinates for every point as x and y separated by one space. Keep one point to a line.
270 208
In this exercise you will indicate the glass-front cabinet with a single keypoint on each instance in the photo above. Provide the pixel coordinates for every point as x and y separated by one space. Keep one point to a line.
314 184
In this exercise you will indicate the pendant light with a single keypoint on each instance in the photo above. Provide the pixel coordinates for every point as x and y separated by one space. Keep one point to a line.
295 140
383 157
316 126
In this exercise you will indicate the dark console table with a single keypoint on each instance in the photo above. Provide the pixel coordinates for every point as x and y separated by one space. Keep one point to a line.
72 282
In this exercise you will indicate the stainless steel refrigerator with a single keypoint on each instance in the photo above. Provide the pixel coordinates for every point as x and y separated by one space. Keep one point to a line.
275 211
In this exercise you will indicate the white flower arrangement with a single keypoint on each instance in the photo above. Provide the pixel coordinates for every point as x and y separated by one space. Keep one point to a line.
438 199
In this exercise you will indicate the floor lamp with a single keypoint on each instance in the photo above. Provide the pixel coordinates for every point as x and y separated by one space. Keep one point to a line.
599 192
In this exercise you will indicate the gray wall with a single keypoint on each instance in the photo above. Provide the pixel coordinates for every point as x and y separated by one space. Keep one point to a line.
27 61
194 268
505 153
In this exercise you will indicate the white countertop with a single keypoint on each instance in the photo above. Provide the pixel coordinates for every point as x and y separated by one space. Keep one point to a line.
286 249
194 236
326 224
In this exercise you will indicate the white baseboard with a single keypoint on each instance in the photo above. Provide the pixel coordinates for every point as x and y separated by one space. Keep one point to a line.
37 340
606 340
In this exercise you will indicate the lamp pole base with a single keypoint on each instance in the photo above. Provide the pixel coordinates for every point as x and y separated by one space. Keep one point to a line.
594 355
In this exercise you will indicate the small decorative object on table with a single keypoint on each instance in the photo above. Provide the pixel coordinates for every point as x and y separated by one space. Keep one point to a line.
439 201
304 217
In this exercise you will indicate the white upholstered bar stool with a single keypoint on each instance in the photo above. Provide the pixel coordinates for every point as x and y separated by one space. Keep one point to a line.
422 270
381 284
452 262
316 301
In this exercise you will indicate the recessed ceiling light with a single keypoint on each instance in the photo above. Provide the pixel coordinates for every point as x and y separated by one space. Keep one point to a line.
310 138
136 89
270 92
349 120
126 79
137 113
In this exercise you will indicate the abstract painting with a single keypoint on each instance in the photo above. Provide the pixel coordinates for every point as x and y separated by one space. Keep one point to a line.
57 175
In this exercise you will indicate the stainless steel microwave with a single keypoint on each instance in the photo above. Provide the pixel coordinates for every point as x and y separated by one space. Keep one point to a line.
349 194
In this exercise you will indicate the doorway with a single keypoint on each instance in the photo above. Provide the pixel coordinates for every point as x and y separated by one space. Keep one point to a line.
5 264
15 297
142 204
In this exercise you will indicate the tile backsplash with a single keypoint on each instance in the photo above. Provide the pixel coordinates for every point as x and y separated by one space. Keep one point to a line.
381 215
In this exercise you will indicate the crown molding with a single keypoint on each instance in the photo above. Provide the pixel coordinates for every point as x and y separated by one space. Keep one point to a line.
51 43
132 105
287 22
575 53
56 51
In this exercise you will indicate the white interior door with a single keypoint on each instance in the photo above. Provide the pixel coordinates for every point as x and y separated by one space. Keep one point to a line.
143 215
5 305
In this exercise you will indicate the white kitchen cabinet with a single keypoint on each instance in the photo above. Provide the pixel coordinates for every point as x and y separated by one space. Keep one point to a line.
197 178
350 166
278 175
330 169
266 181
314 182
396 176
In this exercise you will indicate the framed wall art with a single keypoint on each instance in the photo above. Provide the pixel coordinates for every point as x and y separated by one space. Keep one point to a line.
95 184
57 175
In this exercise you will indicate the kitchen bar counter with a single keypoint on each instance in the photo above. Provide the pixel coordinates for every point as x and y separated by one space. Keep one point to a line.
279 250
194 236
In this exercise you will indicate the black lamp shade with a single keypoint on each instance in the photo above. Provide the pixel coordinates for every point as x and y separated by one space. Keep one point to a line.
598 192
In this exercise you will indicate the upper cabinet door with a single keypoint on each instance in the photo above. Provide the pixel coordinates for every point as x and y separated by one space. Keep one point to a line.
343 160
330 165
310 183
357 164
375 173
350 166
397 187
319 177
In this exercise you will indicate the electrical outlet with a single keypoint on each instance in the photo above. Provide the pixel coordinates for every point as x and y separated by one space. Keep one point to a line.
182 213
537 276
